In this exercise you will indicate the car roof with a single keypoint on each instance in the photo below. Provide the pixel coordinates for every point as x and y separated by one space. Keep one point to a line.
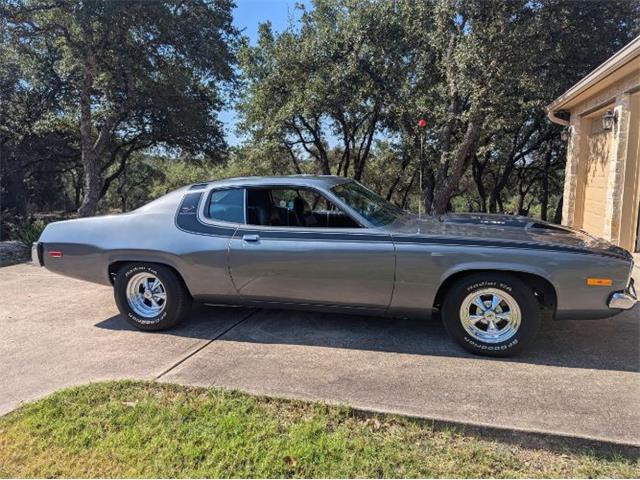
326 181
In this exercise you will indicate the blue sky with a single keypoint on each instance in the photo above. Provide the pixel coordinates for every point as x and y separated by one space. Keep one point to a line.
247 15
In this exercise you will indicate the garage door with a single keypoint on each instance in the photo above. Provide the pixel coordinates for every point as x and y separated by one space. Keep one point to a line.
596 176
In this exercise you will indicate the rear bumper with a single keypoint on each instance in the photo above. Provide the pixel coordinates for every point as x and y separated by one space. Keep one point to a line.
625 299
36 254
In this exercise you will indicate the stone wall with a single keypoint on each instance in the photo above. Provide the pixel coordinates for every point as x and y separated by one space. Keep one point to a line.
12 252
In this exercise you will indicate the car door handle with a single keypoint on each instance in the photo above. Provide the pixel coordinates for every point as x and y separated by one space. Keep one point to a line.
251 238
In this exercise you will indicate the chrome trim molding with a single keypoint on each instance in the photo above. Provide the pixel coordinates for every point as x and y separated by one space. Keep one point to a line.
624 300
36 254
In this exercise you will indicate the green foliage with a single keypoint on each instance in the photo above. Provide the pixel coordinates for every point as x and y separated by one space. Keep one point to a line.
347 73
332 75
26 230
177 173
127 429
36 145
147 177
339 91
133 75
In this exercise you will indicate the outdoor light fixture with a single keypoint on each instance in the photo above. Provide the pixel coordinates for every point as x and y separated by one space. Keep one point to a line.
609 120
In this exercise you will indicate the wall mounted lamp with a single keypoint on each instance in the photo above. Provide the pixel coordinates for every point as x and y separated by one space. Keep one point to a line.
609 120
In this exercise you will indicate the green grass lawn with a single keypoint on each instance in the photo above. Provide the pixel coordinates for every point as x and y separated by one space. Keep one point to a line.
135 429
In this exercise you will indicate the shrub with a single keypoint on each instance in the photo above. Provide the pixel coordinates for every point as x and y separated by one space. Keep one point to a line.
27 230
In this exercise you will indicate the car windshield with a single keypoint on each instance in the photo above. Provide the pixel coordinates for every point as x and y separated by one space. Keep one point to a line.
371 206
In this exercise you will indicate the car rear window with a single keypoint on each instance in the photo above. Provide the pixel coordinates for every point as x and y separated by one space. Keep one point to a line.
226 205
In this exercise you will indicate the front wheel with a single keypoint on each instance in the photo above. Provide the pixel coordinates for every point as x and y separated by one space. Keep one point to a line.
493 314
151 297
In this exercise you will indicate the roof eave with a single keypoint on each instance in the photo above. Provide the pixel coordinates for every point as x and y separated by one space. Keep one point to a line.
623 57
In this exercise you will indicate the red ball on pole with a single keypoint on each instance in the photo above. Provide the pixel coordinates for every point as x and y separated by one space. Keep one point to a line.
422 123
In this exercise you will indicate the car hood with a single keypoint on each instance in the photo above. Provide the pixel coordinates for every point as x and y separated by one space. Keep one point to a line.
502 230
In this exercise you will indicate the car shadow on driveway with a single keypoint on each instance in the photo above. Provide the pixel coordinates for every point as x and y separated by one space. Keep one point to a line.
609 344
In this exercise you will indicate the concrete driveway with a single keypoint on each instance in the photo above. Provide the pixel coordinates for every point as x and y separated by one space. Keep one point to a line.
581 378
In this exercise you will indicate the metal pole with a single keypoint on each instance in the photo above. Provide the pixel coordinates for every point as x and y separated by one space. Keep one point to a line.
421 193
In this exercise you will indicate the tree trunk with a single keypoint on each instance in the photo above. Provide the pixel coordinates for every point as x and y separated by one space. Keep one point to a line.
477 168
406 159
122 191
92 184
365 145
440 177
90 160
500 185
18 191
557 217
322 155
521 197
77 189
448 181
294 160
544 200
393 187
429 188
405 197
483 204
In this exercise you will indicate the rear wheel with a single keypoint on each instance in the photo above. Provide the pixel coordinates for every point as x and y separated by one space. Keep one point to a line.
492 314
151 297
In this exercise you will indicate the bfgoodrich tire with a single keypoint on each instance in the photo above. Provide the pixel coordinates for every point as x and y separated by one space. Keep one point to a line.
492 314
151 297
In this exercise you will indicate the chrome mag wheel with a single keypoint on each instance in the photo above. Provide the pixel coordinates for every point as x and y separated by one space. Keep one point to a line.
146 295
490 315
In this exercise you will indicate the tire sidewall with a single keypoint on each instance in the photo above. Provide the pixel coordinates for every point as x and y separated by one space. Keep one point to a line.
170 312
529 310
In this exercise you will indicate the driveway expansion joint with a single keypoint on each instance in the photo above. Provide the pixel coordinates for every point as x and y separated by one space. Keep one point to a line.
205 345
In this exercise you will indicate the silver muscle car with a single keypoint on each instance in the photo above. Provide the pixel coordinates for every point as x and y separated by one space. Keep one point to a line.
328 243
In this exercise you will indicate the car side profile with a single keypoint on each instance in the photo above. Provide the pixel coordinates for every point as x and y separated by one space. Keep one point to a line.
328 243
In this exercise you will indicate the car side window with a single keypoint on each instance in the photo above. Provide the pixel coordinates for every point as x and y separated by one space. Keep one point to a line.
294 207
226 205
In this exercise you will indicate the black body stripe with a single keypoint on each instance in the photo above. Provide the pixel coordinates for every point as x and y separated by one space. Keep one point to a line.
187 220
472 242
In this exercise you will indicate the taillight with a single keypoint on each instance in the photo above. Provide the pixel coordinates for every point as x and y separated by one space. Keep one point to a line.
55 254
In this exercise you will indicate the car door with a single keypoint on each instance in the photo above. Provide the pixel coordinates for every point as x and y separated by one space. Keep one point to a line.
319 265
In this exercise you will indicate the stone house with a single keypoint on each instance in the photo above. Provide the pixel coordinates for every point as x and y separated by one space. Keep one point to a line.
602 182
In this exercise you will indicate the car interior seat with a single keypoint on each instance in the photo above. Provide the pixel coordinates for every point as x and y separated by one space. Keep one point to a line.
259 211
303 213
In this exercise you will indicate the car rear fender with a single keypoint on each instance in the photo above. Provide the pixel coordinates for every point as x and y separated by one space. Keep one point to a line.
129 256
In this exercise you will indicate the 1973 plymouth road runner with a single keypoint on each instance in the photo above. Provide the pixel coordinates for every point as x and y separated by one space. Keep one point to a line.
328 243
